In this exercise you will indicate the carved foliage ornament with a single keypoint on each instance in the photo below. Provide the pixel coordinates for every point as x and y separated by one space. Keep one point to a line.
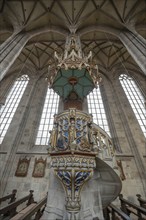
72 181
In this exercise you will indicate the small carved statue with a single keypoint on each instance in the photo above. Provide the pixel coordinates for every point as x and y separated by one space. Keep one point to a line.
105 151
73 145
53 137
72 130
61 145
84 145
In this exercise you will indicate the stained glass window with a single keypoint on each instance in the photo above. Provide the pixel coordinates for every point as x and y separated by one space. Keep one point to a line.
96 108
136 99
7 110
46 123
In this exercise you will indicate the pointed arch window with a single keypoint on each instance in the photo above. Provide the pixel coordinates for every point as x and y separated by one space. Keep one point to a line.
7 111
96 108
46 123
136 99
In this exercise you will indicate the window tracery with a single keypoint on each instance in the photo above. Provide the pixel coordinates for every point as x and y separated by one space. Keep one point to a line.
46 123
7 111
96 108
135 98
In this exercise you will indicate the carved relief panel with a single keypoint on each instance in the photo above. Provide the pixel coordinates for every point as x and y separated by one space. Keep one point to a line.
71 128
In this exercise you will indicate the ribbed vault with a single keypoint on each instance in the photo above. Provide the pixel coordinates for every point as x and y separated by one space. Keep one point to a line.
98 22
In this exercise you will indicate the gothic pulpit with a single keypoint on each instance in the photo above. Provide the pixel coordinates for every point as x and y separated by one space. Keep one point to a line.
82 177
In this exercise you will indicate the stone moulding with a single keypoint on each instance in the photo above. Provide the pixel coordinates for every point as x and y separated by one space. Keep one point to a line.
73 161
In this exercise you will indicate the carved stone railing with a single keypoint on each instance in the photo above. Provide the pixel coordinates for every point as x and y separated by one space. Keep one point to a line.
104 146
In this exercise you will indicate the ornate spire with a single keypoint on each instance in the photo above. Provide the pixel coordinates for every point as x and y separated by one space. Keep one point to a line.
74 58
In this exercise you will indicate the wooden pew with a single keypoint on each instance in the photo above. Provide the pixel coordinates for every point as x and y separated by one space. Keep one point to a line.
10 209
11 196
142 202
31 210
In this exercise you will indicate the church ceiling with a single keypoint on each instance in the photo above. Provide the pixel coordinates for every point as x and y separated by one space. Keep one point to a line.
50 21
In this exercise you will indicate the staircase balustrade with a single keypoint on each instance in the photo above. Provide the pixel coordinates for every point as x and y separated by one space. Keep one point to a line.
129 207
113 213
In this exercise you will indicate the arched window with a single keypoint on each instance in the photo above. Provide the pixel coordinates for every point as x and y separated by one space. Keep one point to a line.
96 108
7 111
135 98
46 123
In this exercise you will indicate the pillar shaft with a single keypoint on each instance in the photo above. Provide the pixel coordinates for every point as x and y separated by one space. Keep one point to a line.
136 46
10 50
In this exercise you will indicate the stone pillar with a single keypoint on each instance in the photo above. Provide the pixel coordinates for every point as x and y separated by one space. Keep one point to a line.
136 46
55 207
10 50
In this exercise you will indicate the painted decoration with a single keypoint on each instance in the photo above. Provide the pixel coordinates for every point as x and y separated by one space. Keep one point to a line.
22 167
39 167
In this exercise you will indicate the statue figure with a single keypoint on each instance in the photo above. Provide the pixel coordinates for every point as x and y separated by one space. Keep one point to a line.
53 137
61 145
105 151
90 133
73 145
95 139
72 131
84 145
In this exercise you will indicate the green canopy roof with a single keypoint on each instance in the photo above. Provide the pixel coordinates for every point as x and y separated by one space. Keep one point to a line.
71 80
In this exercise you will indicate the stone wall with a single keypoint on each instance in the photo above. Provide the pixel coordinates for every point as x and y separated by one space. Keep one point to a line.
24 184
127 134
